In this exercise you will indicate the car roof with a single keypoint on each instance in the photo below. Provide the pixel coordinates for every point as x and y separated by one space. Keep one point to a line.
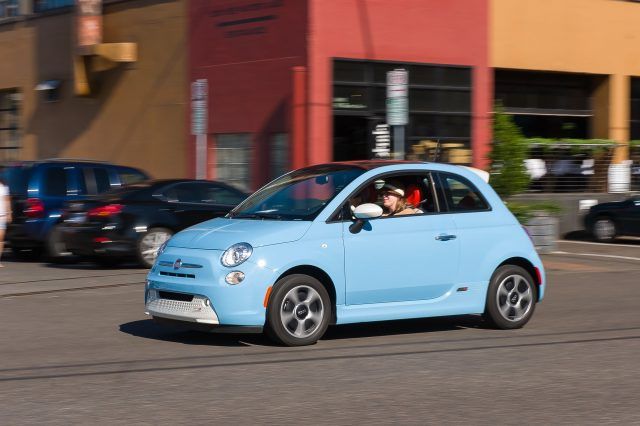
369 164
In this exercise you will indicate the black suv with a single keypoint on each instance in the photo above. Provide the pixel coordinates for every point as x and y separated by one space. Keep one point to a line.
38 191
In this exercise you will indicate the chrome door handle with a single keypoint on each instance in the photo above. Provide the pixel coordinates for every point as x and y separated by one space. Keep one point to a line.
445 237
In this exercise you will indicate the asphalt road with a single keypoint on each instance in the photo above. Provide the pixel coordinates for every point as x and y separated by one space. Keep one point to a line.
76 348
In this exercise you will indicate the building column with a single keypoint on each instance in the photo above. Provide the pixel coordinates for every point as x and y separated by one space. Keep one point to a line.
619 105
299 119
482 114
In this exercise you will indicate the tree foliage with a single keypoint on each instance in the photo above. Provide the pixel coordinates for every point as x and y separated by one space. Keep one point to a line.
508 173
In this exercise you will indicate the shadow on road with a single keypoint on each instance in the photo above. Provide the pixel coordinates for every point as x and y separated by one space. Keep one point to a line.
148 329
585 236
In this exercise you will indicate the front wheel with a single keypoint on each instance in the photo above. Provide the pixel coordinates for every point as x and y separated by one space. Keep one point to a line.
149 244
511 297
299 311
604 229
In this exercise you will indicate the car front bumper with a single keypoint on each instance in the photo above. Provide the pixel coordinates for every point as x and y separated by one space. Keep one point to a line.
196 291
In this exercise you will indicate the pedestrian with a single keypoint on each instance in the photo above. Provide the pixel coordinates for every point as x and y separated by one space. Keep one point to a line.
5 212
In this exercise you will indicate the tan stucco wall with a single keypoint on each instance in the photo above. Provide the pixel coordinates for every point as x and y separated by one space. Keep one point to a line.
582 36
136 117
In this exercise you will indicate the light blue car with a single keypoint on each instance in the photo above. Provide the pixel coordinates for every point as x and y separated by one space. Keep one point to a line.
346 243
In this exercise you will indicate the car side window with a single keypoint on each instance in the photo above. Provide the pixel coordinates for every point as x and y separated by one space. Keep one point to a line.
103 183
214 194
130 176
56 182
460 195
413 195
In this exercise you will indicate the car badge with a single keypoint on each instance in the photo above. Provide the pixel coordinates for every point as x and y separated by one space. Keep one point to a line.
177 264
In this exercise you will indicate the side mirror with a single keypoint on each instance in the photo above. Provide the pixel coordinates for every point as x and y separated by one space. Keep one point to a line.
367 211
362 213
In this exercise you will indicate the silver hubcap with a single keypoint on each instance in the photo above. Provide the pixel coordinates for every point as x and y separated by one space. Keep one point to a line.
515 298
604 229
301 311
151 243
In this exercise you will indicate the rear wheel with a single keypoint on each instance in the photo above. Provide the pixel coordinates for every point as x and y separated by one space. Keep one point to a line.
149 243
604 229
299 311
56 248
511 298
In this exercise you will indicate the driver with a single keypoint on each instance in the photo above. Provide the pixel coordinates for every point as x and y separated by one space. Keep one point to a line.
394 201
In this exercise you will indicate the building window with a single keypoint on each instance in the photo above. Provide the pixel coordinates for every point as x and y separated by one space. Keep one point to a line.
439 109
233 159
8 9
9 124
44 5
279 151
634 124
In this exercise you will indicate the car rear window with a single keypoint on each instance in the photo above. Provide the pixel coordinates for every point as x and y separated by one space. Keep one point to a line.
17 178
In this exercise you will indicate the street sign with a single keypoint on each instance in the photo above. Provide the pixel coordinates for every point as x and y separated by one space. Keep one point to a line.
199 108
382 148
398 97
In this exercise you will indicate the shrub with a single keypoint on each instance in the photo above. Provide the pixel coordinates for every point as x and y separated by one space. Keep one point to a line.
510 149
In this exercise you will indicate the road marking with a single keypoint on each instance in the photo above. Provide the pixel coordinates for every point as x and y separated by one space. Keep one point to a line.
598 244
597 255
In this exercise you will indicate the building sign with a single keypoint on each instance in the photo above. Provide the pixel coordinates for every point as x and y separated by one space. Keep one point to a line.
397 97
199 111
89 22
382 138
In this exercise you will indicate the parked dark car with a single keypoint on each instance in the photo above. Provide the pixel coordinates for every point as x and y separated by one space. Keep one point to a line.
38 191
135 221
605 221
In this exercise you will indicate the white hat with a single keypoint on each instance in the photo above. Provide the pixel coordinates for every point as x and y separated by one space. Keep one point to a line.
391 188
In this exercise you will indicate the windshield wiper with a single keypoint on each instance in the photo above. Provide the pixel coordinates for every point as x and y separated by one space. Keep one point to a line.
256 216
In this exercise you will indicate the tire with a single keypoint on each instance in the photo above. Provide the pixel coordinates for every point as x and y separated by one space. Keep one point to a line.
56 249
511 298
149 243
299 311
604 229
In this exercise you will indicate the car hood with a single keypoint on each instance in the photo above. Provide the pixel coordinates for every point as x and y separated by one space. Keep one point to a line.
221 233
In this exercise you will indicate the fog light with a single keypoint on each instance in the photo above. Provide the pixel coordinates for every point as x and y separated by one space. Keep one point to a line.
234 277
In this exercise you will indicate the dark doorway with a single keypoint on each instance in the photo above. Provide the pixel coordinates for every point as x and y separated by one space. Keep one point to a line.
351 138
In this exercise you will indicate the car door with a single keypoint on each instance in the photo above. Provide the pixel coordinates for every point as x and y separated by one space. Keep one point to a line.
185 201
401 258
629 217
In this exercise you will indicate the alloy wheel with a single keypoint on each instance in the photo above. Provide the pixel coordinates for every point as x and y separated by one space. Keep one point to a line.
515 297
150 244
301 311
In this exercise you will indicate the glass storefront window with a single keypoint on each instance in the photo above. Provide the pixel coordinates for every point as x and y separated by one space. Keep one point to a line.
44 5
349 71
635 109
350 98
9 124
233 159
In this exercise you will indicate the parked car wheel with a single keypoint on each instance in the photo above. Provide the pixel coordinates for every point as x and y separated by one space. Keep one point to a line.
604 229
511 297
149 244
56 248
299 311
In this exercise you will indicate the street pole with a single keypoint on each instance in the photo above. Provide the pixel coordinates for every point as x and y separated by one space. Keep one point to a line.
399 146
201 156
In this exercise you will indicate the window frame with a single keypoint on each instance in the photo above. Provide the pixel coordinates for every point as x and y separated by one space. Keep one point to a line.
337 215
439 176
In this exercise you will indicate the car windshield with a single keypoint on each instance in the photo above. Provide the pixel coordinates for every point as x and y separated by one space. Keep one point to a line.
299 195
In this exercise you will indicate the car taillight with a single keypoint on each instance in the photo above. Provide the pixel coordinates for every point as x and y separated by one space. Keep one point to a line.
105 211
34 208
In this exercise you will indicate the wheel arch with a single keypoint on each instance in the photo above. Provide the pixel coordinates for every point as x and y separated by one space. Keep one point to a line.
527 266
320 275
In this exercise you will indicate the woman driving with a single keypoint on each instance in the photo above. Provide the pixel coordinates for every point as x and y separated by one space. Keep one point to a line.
394 201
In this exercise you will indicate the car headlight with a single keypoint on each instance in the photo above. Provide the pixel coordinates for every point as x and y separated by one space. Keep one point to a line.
236 254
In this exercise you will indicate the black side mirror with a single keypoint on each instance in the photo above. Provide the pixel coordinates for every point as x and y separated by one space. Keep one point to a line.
356 226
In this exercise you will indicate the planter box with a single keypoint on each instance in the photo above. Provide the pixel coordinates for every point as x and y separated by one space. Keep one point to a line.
543 228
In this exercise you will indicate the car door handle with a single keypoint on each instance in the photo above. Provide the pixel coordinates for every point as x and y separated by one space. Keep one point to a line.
445 237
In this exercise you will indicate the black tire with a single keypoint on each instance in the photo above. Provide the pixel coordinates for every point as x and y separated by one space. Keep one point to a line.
143 246
509 306
56 249
312 316
604 229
